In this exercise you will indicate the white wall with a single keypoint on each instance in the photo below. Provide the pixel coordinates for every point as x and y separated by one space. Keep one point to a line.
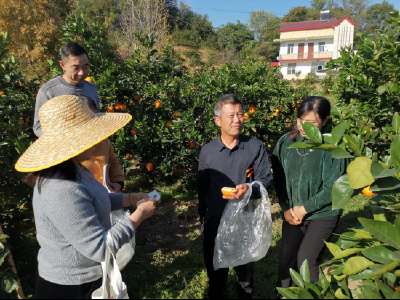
344 37
328 43
304 67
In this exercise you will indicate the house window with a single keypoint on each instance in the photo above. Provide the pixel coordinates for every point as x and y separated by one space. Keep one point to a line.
321 47
290 49
317 66
291 69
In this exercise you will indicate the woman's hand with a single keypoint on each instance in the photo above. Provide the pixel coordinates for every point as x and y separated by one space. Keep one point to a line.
300 212
133 198
291 217
242 189
144 211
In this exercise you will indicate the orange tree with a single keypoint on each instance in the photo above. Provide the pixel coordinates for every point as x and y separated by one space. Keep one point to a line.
16 111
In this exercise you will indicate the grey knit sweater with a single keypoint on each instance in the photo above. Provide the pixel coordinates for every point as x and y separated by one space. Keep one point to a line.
72 221
59 87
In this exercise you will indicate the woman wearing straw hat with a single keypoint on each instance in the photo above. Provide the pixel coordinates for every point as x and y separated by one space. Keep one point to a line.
71 208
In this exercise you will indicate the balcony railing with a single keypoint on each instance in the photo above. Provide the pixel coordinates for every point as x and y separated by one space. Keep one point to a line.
305 56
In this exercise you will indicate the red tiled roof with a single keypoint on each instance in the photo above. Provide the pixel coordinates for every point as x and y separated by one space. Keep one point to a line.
309 25
274 64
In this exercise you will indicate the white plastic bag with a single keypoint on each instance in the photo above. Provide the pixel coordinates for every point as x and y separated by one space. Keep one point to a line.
245 231
127 251
112 287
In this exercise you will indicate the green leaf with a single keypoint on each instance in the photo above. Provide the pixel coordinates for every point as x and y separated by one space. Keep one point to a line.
362 234
323 283
396 122
345 243
297 279
359 172
338 132
396 295
334 249
379 254
340 153
368 294
8 282
286 293
327 138
3 237
326 147
352 143
385 184
3 256
397 222
385 289
383 231
301 145
382 89
395 152
385 269
313 290
304 294
341 192
356 265
360 276
379 213
339 294
348 252
305 271
381 172
312 132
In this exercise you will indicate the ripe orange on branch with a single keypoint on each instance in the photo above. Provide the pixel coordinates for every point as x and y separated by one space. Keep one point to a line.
138 98
157 104
150 167
246 116
169 123
110 108
89 79
191 145
177 114
367 192
134 132
253 109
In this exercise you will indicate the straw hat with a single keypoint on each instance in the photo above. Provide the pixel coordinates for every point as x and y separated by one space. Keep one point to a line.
69 128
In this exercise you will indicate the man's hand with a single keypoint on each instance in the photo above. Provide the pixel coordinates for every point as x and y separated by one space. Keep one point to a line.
300 212
291 217
242 189
116 187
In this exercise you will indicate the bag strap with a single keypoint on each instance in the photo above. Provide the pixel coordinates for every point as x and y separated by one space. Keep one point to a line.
114 274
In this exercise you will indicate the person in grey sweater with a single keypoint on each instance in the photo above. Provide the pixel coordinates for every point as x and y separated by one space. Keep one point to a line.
71 208
75 64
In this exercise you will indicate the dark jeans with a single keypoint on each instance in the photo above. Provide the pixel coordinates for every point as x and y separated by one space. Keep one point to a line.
49 290
218 279
302 242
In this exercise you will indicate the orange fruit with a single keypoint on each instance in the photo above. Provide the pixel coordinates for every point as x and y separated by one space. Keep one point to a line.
276 114
191 145
253 109
268 119
138 98
89 79
123 107
118 106
192 88
277 110
26 120
246 116
21 122
128 156
248 134
134 132
131 103
367 192
228 191
110 108
157 104
370 130
2 93
177 114
169 123
150 167
298 102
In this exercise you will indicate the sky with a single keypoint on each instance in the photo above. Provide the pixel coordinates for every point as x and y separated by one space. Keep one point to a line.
223 11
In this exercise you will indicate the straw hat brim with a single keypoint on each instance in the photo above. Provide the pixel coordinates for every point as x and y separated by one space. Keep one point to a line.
50 150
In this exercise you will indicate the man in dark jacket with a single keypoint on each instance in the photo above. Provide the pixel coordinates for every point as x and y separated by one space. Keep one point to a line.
226 162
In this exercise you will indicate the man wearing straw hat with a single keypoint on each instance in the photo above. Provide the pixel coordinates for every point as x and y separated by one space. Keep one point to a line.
75 63
72 209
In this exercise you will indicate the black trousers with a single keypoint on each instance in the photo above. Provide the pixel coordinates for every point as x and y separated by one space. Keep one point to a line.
218 279
49 290
302 242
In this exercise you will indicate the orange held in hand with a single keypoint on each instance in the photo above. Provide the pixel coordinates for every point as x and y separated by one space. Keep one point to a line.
367 192
228 191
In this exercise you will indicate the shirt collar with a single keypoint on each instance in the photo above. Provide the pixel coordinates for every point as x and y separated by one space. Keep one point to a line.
240 144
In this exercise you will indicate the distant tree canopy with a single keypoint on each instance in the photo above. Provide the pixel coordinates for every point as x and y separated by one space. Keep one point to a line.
380 13
234 36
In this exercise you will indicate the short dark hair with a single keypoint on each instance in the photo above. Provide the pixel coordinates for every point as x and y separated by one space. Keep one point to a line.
320 105
72 49
226 99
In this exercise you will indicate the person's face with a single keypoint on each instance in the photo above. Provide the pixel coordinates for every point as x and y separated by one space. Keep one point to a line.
312 118
76 69
231 121
87 155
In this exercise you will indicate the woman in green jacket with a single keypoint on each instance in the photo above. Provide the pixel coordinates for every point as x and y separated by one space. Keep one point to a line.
304 179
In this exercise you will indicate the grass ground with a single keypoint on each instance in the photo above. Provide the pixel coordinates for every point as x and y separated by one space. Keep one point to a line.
168 262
